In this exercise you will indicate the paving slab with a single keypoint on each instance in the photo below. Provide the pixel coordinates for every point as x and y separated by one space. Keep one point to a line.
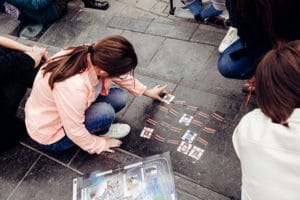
173 31
218 167
188 190
145 46
180 59
64 157
15 164
63 32
146 4
46 180
87 163
115 7
176 21
208 35
8 24
173 51
159 8
209 79
128 23
84 27
134 12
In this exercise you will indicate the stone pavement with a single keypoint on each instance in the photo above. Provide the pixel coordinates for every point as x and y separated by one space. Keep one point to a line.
173 51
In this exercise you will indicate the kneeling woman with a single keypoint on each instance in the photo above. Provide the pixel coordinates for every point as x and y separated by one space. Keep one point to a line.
72 102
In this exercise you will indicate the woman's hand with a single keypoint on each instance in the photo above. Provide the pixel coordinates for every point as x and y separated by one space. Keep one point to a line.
111 143
156 91
37 54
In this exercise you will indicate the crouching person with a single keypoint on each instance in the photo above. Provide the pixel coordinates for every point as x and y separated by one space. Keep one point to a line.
18 66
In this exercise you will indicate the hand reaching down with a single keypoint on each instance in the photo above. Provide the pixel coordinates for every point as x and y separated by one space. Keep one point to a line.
111 143
156 91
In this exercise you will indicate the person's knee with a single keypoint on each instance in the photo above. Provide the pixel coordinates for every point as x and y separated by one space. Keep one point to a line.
99 115
121 99
224 67
105 111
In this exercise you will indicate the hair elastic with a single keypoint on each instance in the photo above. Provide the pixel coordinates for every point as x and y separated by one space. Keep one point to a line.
91 49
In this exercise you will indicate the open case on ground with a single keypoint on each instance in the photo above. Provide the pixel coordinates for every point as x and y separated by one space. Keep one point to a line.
149 178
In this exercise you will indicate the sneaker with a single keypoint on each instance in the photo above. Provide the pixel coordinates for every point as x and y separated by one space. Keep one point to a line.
101 5
229 38
30 31
118 130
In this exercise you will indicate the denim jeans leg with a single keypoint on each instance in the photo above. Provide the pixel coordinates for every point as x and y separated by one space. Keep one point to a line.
101 114
242 68
61 145
210 11
117 98
195 7
98 117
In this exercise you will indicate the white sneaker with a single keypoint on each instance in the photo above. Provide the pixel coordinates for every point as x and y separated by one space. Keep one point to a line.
118 130
225 14
230 37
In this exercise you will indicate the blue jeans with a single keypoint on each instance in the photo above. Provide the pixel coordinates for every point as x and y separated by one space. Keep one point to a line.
241 68
195 8
98 117
210 11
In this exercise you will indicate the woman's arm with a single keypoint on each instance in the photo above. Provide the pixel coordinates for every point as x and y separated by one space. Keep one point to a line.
155 92
11 44
135 87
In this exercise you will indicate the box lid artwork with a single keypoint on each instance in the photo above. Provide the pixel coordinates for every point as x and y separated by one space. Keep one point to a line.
149 178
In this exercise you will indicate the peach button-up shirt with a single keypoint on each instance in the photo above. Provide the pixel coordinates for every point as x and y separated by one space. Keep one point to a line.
48 112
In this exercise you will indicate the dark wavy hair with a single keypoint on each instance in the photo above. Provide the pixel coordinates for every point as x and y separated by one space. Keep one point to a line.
113 54
277 81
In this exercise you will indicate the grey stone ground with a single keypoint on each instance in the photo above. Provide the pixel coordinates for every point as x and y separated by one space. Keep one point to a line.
173 51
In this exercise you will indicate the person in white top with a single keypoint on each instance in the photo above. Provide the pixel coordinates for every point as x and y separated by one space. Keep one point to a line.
267 140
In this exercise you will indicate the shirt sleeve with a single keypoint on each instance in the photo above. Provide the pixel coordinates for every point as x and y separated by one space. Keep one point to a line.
133 85
71 104
235 140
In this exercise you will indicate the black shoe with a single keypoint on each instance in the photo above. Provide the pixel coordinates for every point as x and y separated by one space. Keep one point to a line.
101 5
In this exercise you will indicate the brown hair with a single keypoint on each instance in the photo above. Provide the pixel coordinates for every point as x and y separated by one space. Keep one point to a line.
113 54
277 84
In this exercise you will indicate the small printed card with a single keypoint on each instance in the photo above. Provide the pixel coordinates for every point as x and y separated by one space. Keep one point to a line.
168 98
189 136
186 119
196 152
147 132
184 147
